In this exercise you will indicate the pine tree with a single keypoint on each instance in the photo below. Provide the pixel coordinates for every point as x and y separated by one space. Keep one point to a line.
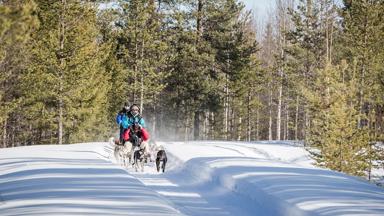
114 68
246 85
343 145
192 84
226 31
267 56
66 84
16 24
310 49
362 42
142 51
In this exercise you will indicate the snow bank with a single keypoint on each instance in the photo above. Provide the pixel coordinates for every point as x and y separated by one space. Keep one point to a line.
278 178
72 180
202 178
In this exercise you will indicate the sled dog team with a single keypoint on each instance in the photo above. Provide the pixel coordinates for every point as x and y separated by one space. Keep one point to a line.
133 141
128 155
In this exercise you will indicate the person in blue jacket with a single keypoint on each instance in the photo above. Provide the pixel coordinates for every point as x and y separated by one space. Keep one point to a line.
119 119
134 116
127 117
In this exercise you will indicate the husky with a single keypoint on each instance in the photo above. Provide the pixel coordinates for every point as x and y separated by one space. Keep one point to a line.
117 150
161 157
139 159
122 152
126 152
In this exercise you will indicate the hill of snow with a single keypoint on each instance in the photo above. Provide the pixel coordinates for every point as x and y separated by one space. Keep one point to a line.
201 178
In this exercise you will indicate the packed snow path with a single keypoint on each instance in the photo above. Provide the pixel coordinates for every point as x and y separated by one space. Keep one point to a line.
72 180
263 178
201 178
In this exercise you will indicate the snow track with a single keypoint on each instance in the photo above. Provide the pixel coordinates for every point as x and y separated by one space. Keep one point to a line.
72 180
274 179
202 178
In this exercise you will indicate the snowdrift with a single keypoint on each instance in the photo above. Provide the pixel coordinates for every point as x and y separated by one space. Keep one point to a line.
202 178
72 180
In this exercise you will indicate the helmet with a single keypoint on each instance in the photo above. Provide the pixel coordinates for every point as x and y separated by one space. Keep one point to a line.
126 106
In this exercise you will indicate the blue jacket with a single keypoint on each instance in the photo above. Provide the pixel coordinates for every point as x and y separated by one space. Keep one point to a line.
126 121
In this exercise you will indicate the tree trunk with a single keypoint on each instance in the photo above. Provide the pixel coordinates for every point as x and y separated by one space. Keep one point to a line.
142 77
61 71
158 6
211 133
226 108
186 131
177 121
135 68
196 126
278 120
257 123
297 118
362 82
307 123
249 117
327 34
286 137
199 18
205 125
5 133
13 138
282 13
239 129
232 131
270 113
213 126
154 116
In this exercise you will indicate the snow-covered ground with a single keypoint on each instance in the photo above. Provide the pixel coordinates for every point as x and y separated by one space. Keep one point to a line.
202 179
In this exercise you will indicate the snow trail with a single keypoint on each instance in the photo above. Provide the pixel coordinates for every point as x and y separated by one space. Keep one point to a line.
201 178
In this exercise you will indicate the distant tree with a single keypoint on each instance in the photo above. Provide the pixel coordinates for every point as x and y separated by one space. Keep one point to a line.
227 28
308 50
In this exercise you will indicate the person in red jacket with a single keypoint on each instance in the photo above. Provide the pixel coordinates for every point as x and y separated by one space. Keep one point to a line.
136 135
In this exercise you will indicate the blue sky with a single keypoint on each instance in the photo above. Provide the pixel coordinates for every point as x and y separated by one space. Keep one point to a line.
259 7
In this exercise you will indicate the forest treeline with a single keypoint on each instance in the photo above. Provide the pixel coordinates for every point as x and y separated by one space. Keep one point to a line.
199 70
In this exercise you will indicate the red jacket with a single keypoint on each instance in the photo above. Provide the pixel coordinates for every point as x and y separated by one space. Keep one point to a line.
143 134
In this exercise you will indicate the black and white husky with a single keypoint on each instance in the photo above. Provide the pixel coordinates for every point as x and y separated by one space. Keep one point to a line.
139 159
161 158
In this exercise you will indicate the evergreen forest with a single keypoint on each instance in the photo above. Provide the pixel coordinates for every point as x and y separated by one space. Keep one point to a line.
312 71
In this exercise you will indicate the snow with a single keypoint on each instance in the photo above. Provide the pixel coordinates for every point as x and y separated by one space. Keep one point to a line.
201 178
